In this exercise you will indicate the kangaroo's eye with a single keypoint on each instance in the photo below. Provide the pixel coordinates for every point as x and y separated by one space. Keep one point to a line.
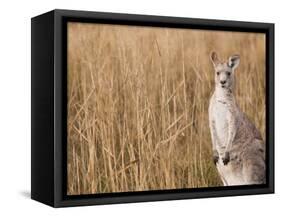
218 73
228 73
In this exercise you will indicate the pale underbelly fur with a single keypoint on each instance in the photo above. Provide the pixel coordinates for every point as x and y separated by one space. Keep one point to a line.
228 173
221 127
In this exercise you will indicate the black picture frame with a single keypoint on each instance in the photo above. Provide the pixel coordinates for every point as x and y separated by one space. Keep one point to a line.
49 100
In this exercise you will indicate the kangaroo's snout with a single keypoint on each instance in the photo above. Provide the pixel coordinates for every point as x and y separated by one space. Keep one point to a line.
223 81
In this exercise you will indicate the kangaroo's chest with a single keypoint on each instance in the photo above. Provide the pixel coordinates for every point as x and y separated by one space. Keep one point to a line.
221 121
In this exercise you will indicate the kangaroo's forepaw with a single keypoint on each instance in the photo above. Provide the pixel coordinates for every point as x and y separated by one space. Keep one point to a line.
215 156
226 158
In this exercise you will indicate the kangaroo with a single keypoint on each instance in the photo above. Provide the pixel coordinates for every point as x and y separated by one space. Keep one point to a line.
238 148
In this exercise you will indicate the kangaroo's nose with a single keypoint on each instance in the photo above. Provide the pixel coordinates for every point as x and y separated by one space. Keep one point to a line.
223 82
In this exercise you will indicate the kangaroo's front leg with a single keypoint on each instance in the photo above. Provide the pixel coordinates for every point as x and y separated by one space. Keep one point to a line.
231 134
215 141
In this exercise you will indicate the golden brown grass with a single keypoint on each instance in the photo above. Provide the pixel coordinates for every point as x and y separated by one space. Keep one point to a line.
138 104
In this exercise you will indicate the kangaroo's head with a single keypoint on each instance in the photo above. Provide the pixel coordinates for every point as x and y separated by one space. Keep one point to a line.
224 71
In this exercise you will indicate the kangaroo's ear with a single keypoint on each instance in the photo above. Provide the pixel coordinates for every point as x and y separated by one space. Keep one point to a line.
214 58
233 61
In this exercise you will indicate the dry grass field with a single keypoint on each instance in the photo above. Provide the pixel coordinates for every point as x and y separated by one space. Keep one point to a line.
138 104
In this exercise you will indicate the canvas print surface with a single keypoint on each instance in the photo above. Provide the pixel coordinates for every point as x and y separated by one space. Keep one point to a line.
152 108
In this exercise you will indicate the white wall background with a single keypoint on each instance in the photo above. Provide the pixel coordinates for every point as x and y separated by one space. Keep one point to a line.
15 106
